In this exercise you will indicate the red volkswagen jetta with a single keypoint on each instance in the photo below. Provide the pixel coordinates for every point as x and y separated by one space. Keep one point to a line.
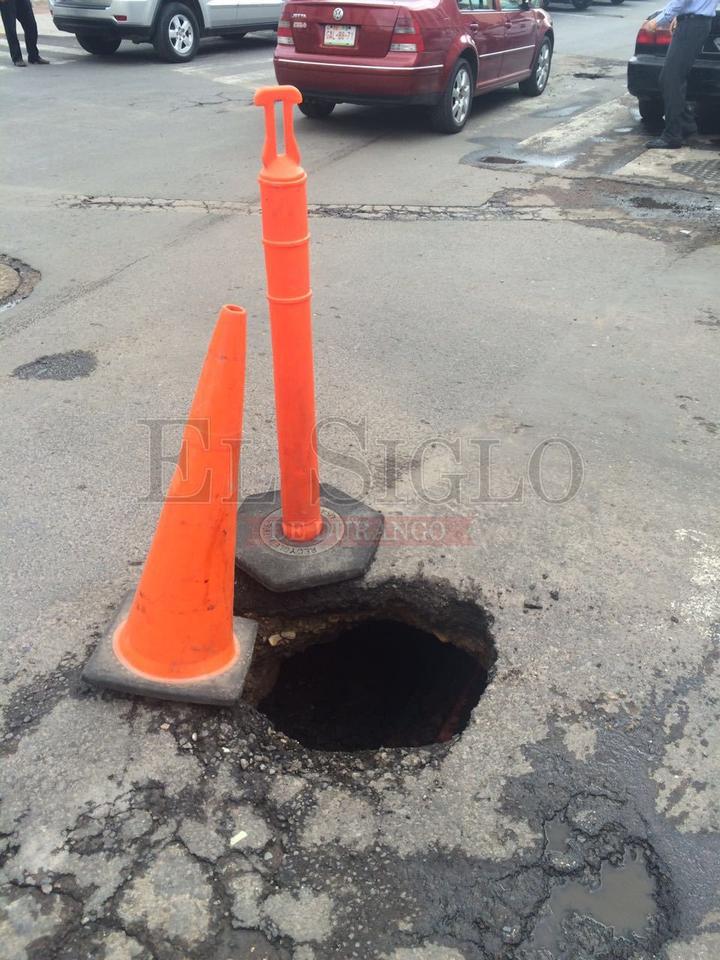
434 52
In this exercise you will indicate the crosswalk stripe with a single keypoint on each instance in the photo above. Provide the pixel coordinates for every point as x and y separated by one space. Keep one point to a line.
49 48
580 128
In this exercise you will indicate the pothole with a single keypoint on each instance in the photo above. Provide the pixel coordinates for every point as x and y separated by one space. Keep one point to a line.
395 672
500 160
590 76
17 281
650 203
58 366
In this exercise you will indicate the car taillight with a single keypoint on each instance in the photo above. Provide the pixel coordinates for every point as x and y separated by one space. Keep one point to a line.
284 31
654 38
406 36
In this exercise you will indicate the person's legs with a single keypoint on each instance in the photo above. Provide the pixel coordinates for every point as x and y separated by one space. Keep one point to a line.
8 12
687 42
29 24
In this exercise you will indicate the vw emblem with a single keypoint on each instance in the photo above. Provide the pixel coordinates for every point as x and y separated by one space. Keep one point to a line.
338 13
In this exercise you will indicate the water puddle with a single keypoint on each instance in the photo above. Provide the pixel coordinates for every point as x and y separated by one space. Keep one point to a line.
622 900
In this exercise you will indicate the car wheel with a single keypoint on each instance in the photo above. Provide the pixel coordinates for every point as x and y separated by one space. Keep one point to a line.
101 44
538 79
450 114
651 111
177 35
316 109
581 4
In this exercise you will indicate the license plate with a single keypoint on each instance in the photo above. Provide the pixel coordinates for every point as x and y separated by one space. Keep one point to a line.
337 35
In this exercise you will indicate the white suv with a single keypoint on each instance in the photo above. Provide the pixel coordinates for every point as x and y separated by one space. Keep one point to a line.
173 27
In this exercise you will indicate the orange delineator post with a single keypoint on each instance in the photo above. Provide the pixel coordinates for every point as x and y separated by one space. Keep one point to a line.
287 241
177 638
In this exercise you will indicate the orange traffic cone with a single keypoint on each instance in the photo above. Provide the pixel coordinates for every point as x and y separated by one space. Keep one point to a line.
175 639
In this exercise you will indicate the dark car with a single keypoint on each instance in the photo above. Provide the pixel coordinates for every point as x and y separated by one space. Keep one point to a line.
440 53
645 66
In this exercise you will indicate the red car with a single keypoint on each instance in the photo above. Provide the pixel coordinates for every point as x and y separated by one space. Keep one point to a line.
434 52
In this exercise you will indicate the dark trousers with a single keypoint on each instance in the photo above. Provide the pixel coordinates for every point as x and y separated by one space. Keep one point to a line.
687 42
12 10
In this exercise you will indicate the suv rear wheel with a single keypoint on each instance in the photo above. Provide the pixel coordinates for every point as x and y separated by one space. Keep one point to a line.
581 4
101 44
452 110
177 34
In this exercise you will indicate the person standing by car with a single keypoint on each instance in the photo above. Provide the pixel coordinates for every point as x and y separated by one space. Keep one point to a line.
690 22
22 11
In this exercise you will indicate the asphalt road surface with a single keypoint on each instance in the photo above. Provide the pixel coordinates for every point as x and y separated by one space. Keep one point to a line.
517 333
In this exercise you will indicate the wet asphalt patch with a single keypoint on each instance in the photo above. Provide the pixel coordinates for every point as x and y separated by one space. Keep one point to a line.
70 365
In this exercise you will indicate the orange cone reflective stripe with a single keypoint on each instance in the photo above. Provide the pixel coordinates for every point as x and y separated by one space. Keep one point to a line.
286 240
180 623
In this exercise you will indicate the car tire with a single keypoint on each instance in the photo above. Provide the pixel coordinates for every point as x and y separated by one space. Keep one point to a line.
450 113
177 34
538 79
581 4
652 111
316 109
100 44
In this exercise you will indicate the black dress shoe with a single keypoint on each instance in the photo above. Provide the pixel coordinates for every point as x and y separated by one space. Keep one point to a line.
19 63
39 60
660 143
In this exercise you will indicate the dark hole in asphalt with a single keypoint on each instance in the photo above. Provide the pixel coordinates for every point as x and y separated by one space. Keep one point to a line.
58 366
590 76
494 159
379 683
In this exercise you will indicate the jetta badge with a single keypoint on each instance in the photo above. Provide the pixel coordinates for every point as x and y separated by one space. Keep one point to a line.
338 13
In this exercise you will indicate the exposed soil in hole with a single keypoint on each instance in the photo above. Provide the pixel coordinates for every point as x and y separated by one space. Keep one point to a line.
17 281
351 667
380 684
590 76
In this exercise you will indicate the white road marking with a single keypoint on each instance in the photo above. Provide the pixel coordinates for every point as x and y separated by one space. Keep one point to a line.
590 123
73 53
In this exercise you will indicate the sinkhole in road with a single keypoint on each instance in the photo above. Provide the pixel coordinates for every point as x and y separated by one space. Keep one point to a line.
381 683
393 672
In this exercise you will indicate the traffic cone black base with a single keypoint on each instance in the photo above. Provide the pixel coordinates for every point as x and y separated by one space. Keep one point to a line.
107 671
343 551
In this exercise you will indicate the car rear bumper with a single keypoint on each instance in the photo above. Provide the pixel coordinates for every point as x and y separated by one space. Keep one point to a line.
100 16
368 84
643 77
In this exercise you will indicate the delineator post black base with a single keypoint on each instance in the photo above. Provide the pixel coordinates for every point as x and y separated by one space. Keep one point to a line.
106 671
343 551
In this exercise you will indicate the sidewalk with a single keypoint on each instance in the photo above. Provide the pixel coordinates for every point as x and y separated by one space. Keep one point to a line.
46 27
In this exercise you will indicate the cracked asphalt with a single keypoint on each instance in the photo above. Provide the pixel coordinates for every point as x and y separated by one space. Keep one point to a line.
525 351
